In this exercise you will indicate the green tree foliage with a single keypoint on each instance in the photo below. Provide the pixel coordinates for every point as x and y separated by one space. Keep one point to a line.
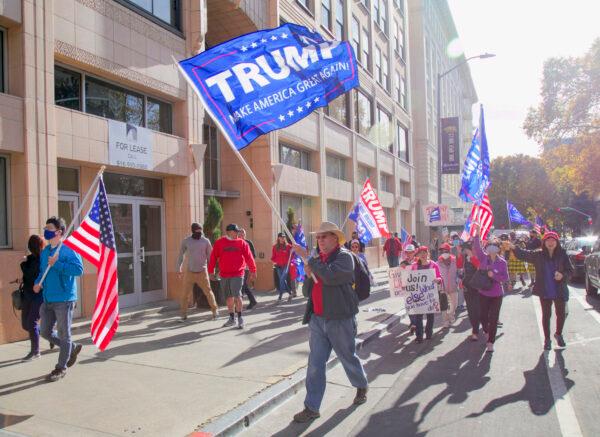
212 223
566 123
291 218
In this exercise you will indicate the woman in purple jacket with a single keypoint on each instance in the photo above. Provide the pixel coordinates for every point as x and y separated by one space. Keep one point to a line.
490 300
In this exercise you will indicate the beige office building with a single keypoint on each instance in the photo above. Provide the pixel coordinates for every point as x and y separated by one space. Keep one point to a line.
432 37
78 77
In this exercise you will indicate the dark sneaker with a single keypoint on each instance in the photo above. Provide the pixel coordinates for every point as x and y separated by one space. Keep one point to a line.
56 374
240 323
74 352
361 396
547 344
560 341
229 322
51 345
306 415
31 356
250 306
418 340
413 329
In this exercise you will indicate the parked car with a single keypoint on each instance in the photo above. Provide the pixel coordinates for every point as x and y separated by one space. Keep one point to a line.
592 270
578 249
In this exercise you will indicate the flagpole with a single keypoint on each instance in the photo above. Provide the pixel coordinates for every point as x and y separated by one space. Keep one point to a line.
509 220
75 216
239 156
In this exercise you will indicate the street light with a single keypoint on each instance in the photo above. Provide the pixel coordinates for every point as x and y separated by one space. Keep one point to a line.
439 115
569 209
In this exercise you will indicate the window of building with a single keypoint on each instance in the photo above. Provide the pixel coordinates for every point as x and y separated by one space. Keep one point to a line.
401 43
339 20
167 11
2 59
356 38
400 5
432 170
382 21
338 109
406 222
326 13
4 190
212 156
377 71
67 88
304 3
110 101
294 157
363 174
364 117
387 182
365 3
302 207
336 212
397 93
405 189
402 142
68 179
403 100
395 41
376 10
128 185
336 167
385 72
384 139
366 43
391 220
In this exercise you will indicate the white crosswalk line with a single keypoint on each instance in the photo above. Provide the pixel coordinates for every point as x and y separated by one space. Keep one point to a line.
567 419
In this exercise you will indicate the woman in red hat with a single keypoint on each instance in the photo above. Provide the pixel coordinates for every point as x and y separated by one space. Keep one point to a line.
553 270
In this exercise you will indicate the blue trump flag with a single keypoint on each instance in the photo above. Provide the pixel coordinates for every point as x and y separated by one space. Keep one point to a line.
269 79
300 239
476 171
364 234
515 216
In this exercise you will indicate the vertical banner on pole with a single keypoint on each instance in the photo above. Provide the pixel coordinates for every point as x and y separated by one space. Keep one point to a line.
450 146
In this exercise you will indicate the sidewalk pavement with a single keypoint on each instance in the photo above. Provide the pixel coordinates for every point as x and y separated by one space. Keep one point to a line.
160 377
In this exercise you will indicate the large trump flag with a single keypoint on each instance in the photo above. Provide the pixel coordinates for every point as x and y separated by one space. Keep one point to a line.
369 215
269 79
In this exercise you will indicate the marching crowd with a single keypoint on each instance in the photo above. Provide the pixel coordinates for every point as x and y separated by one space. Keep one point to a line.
335 273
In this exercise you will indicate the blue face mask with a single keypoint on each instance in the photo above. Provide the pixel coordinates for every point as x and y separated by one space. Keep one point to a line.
493 249
49 235
455 243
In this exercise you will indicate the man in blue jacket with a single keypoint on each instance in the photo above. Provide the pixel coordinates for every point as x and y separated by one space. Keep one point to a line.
59 290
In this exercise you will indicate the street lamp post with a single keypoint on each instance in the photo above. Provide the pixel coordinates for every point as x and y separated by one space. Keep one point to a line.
439 117
570 209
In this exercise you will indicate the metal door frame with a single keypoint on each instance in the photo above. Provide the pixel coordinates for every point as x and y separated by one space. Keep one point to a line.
68 196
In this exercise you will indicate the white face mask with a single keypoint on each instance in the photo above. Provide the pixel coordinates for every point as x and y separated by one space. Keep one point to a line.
493 250
445 255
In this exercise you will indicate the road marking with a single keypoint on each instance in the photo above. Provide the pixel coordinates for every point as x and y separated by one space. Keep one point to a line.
586 306
567 419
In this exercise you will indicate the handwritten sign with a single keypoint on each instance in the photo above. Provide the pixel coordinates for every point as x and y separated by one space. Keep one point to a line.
420 291
395 279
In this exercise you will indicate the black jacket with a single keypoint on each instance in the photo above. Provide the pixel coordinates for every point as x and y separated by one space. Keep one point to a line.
31 269
538 258
337 276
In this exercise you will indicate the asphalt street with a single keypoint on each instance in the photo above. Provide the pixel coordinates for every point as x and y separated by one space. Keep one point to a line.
449 386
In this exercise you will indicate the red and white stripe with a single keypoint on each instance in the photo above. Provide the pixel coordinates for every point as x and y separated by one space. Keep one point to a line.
106 312
85 240
483 215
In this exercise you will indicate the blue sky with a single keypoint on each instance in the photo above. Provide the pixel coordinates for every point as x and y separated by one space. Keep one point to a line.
522 34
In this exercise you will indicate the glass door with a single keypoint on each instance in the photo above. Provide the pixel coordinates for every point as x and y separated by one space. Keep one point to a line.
67 207
139 235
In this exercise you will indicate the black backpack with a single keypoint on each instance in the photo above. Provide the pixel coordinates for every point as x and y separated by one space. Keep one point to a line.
362 281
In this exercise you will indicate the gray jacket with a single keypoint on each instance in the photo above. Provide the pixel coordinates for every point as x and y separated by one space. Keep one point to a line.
337 276
198 254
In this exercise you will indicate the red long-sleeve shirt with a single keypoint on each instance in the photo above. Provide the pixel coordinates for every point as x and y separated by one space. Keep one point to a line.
233 256
281 256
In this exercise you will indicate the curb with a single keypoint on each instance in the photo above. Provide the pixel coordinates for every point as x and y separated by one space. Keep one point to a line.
242 416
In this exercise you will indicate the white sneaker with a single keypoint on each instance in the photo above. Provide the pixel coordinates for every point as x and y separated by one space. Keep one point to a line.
489 347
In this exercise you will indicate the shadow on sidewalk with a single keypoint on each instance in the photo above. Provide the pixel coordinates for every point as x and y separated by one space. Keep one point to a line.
15 387
460 371
11 419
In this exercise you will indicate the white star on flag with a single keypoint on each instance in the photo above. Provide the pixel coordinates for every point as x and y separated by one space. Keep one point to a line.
244 48
281 117
316 99
253 45
284 35
290 113
274 38
308 104
299 109
263 40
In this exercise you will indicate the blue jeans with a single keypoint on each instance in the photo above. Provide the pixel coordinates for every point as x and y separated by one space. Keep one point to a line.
60 313
325 335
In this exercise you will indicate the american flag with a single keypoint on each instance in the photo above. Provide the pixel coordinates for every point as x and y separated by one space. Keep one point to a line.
539 225
483 215
95 241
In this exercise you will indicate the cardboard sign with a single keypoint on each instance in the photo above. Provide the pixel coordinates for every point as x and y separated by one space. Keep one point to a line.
395 279
420 291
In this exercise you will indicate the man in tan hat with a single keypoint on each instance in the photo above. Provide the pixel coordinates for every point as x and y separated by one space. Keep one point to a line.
331 316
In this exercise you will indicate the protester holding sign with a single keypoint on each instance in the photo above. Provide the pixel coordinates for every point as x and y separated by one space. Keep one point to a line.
423 263
409 259
490 298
